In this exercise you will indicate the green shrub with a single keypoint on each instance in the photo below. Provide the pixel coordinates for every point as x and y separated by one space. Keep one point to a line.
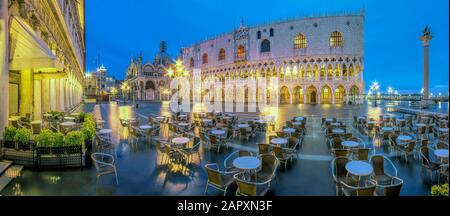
57 139
9 134
23 136
88 129
439 190
45 138
82 116
74 138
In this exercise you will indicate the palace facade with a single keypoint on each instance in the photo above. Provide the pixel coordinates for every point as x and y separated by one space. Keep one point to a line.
148 81
43 56
317 60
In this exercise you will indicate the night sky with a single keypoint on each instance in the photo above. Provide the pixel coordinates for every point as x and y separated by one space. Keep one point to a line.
117 30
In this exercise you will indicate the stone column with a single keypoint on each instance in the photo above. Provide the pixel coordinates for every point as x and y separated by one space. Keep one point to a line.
45 95
426 42
53 97
4 69
26 92
37 99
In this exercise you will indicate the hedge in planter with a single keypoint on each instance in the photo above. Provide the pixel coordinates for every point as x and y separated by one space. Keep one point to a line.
439 190
8 137
55 150
23 139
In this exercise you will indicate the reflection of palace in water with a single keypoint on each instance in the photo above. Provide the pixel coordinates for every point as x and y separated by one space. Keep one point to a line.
316 60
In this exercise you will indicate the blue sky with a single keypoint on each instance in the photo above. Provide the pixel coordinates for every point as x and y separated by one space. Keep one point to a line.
117 30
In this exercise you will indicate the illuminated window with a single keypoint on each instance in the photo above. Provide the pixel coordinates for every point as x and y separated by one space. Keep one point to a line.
205 58
191 62
265 46
241 52
300 41
222 54
336 39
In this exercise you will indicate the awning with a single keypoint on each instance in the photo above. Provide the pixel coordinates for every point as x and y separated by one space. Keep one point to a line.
28 51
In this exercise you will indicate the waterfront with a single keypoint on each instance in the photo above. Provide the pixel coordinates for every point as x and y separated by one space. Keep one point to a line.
139 174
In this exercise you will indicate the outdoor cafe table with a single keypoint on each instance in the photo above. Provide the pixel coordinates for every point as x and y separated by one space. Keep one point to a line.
68 118
441 153
335 124
338 131
247 163
299 118
329 119
297 123
387 129
68 124
160 118
218 132
359 169
371 122
180 141
289 130
145 127
404 139
183 124
13 119
75 114
279 141
421 125
260 121
443 130
243 125
350 144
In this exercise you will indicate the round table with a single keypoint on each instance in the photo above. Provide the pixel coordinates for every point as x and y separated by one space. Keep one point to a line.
182 116
350 144
68 118
105 131
328 119
218 132
47 115
441 153
247 163
289 130
36 122
243 125
404 139
359 168
260 121
160 118
297 123
279 141
145 127
226 117
68 124
387 129
443 130
75 114
180 140
183 124
299 118
338 131
335 124
371 122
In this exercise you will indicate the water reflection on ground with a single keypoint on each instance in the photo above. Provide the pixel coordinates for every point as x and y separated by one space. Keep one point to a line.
140 173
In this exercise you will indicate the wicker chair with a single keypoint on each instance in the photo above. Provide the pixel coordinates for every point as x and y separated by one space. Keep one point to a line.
363 154
163 149
367 190
193 150
392 189
263 148
339 172
218 179
379 174
269 166
248 188
427 162
283 155
406 150
105 165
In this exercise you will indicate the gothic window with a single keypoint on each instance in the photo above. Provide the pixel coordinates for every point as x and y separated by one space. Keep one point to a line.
336 39
241 52
265 46
300 41
258 35
191 62
222 54
271 33
205 58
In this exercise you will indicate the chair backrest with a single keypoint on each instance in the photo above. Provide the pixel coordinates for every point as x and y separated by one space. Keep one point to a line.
243 153
102 159
263 148
293 141
378 164
243 131
244 187
441 145
411 146
341 152
366 191
363 154
394 189
338 166
278 150
336 143
269 163
214 175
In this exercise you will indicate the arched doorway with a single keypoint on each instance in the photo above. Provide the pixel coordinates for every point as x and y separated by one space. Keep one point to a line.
354 94
285 96
298 94
311 95
339 95
326 95
150 90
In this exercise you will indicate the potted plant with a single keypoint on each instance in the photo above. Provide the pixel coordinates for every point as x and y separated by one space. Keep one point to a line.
57 143
44 141
22 139
8 137
439 190
73 141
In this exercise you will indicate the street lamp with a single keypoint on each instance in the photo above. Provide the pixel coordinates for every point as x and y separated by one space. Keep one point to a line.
125 88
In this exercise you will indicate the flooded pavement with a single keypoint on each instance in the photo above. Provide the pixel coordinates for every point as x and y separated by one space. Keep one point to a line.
139 171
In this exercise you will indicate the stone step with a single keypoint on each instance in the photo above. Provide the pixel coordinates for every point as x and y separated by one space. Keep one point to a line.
4 165
11 173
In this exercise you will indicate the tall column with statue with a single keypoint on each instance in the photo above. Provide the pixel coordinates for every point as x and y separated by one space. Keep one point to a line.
426 38
4 70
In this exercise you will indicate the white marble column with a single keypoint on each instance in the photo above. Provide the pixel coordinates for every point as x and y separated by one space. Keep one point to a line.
53 95
61 94
37 99
26 92
45 95
4 69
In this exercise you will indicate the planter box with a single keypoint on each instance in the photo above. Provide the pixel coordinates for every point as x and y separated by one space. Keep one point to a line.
22 154
59 157
9 144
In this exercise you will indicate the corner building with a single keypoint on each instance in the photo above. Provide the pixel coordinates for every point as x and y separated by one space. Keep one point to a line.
318 60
